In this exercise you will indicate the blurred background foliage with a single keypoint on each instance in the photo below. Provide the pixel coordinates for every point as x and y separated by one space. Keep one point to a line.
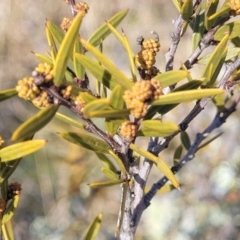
56 202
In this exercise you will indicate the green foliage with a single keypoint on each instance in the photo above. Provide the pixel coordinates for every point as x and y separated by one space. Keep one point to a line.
35 123
98 104
69 120
116 100
157 128
66 49
21 149
7 230
56 32
51 43
100 73
160 163
106 162
102 108
78 67
186 96
109 173
43 59
8 169
86 141
172 77
222 12
93 229
185 140
7 94
211 9
233 29
231 53
87 97
118 161
177 4
10 210
120 38
198 27
177 154
163 109
101 33
131 58
108 113
215 62
114 71
106 183
187 9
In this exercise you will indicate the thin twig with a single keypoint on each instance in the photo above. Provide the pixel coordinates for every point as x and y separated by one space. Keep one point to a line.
140 179
157 148
90 126
219 119
231 68
72 3
126 233
147 165
175 39
204 43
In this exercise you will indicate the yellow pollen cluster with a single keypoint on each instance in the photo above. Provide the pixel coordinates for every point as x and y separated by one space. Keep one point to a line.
43 73
42 100
81 7
235 6
151 45
66 92
145 59
1 141
79 102
66 23
2 205
27 89
128 129
141 95
158 89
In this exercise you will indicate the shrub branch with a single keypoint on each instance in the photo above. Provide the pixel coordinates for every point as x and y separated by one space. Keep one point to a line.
141 203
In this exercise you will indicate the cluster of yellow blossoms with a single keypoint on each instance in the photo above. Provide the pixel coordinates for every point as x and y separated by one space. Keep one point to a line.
78 7
81 7
146 58
66 23
128 129
235 6
1 141
28 87
79 102
141 95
